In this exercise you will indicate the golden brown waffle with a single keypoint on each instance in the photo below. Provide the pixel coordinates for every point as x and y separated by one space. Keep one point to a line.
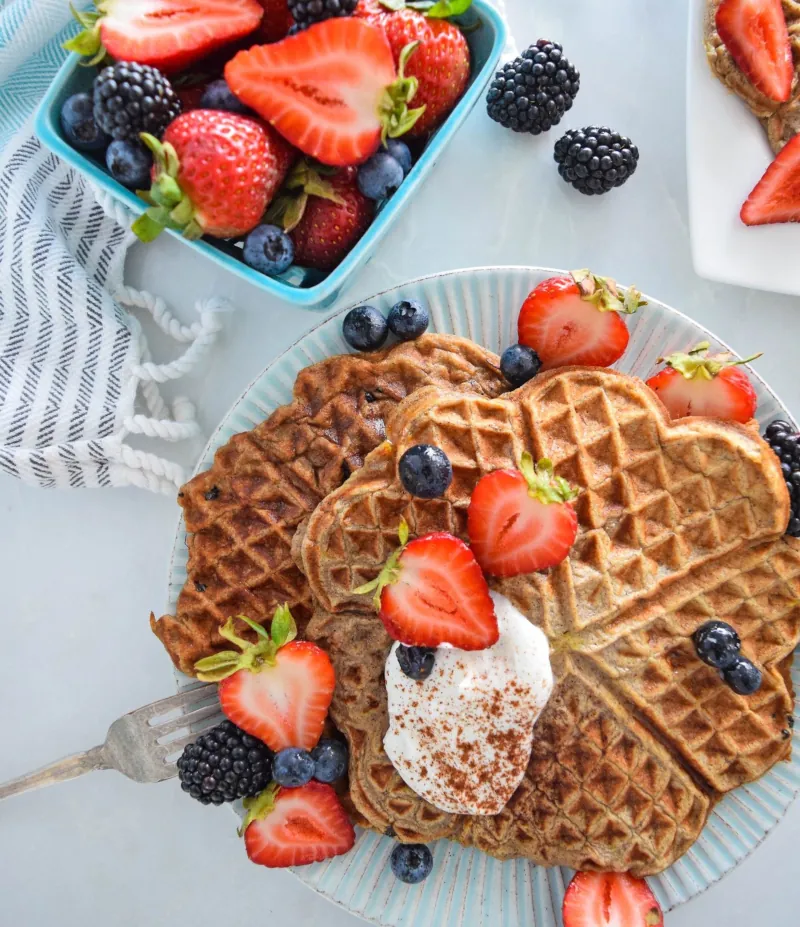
781 120
679 522
241 514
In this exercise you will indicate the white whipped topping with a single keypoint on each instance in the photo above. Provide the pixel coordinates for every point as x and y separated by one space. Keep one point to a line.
461 739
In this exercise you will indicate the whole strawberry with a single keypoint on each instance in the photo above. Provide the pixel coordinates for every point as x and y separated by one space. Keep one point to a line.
440 63
324 213
215 173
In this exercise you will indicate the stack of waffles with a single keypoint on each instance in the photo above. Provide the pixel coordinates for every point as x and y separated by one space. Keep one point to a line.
679 522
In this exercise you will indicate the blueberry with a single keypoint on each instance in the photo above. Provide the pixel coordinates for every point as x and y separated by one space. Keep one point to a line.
408 319
129 163
78 125
777 428
218 95
268 249
380 176
717 644
425 471
416 662
743 676
411 862
519 364
330 760
365 329
292 767
400 152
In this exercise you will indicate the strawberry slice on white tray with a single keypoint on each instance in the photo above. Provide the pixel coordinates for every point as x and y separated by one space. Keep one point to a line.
776 197
278 689
757 37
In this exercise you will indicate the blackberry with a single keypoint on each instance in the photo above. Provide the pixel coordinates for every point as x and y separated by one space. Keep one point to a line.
786 444
595 159
131 98
307 12
224 764
532 92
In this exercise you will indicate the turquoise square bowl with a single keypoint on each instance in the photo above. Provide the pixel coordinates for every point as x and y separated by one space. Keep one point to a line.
302 288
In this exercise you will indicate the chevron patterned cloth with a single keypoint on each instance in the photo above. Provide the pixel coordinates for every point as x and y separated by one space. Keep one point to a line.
72 361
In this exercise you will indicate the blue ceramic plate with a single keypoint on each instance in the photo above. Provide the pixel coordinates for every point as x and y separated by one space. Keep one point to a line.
486 44
466 887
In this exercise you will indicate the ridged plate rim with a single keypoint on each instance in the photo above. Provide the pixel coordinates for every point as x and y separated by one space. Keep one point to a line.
468 888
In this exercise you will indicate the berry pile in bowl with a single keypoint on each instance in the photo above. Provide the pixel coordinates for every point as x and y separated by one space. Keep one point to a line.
214 122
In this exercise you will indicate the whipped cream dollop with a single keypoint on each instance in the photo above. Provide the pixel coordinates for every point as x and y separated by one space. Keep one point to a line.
461 739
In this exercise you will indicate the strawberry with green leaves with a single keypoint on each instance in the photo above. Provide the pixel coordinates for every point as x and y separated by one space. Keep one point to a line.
441 62
332 90
278 689
295 827
214 174
522 521
577 320
699 384
431 591
324 213
166 34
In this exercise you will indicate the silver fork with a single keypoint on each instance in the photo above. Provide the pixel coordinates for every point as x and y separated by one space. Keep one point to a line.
143 745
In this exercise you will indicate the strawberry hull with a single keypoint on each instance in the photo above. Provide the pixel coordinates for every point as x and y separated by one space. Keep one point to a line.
298 286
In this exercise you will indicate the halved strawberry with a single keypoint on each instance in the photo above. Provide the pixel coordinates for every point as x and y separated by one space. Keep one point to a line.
294 827
331 90
610 899
776 197
167 34
756 35
432 591
277 689
576 320
521 521
695 384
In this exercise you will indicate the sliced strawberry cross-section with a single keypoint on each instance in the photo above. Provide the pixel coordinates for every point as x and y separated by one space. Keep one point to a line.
696 384
610 899
521 521
166 34
332 90
577 320
756 35
776 197
278 689
295 827
432 591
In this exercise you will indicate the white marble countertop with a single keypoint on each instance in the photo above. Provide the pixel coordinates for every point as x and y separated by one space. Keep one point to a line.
82 569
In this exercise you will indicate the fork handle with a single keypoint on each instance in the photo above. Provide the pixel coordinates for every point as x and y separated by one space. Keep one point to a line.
61 771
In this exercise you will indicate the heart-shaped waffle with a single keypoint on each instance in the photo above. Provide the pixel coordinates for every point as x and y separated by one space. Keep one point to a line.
678 522
242 513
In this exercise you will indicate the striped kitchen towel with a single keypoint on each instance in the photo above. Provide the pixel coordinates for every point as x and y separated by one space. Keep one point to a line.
76 377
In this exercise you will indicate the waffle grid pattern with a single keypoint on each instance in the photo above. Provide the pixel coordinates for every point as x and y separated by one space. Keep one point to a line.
705 493
242 513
